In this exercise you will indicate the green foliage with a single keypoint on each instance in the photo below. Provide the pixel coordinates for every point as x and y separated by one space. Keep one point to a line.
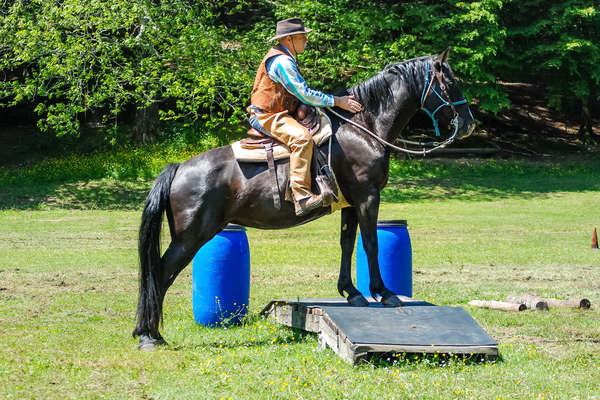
122 163
74 56
355 39
76 60
476 35
558 47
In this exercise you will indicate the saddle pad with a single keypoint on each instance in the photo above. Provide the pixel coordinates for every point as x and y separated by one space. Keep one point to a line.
281 152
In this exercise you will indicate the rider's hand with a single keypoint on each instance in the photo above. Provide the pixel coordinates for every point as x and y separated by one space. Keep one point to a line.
348 103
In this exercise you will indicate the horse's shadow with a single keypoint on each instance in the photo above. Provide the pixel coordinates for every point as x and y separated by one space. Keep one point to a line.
295 336
100 194
376 360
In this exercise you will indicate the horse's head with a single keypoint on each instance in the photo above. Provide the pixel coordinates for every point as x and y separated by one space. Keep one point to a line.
442 99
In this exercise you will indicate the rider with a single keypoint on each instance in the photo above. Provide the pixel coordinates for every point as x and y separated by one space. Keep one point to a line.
278 90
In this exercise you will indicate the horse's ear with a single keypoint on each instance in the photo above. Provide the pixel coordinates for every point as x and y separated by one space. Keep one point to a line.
445 53
441 58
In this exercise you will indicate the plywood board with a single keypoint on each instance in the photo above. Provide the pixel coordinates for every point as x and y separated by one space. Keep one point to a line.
354 332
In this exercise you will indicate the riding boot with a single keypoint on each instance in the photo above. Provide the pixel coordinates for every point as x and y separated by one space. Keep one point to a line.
289 131
300 160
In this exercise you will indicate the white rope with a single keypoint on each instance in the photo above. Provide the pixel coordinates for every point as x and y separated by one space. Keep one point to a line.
423 152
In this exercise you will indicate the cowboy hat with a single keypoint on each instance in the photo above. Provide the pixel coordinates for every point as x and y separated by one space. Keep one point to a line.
290 26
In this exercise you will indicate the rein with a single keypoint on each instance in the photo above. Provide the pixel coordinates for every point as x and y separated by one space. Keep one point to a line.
426 90
438 145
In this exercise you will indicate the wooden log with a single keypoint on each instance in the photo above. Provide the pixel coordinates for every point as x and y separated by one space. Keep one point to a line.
531 301
498 305
530 298
571 303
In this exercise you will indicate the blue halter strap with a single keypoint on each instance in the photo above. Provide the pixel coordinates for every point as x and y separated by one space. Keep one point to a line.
444 102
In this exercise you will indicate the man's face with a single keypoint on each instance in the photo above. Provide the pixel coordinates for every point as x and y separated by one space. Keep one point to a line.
299 42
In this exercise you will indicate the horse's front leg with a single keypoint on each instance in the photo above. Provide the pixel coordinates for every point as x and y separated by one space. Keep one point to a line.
368 211
347 238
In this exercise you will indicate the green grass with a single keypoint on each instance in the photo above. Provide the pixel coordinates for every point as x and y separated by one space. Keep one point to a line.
479 230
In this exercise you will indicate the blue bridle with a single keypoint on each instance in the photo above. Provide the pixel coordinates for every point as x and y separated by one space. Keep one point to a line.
445 103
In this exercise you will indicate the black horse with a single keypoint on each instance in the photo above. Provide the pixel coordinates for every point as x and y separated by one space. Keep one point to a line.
202 195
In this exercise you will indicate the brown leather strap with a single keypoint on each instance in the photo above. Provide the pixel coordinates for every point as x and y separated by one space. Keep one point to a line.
273 173
258 143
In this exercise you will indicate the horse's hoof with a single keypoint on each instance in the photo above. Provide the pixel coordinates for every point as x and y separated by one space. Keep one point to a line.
391 301
149 344
358 300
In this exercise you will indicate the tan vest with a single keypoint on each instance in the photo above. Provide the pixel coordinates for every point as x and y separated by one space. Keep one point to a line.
268 95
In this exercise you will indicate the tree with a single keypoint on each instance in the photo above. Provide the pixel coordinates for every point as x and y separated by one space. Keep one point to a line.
556 46
70 59
108 60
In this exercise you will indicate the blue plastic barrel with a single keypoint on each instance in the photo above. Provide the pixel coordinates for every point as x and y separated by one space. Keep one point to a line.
395 259
221 278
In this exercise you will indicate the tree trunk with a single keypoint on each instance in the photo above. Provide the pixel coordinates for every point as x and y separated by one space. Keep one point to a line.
146 124
585 130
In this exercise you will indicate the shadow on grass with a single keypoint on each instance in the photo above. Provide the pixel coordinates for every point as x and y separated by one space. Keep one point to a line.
432 360
294 336
487 180
99 194
409 181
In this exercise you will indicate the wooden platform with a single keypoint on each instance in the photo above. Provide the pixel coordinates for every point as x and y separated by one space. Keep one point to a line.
354 332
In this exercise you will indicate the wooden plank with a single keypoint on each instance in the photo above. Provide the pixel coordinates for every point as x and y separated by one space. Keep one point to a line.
399 348
441 325
312 315
330 335
294 315
404 330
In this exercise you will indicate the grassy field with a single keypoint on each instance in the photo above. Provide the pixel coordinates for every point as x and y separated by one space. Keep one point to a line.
479 230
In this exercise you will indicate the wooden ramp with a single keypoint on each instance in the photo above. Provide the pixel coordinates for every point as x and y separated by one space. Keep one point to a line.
354 332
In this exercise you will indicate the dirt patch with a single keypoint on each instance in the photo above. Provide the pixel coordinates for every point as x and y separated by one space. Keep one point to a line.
511 335
63 219
530 128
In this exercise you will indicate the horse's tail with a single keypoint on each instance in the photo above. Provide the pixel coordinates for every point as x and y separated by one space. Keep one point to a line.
149 311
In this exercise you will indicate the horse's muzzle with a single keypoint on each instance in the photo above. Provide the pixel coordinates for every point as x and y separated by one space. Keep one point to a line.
465 127
470 130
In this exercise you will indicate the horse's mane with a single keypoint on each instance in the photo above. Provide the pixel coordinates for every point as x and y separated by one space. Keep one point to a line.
377 90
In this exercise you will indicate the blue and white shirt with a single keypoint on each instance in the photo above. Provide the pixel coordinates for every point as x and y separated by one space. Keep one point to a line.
282 69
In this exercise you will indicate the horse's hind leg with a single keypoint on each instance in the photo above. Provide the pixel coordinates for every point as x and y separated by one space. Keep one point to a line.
178 255
347 238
